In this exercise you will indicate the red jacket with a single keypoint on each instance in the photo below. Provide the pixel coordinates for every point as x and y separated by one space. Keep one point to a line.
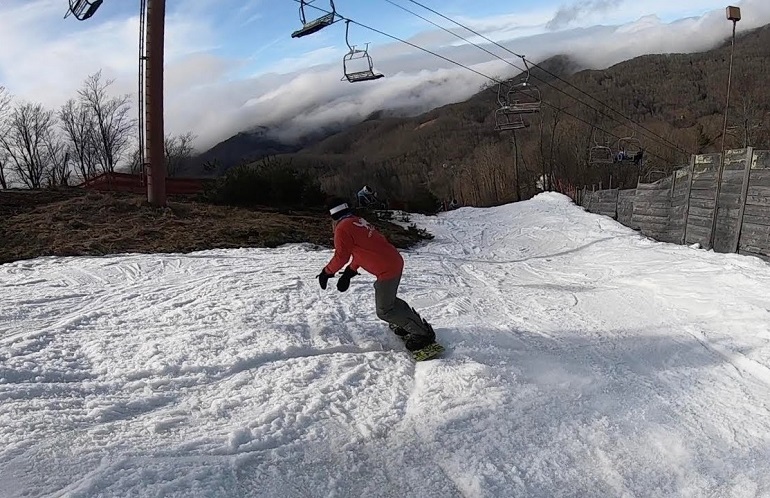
354 236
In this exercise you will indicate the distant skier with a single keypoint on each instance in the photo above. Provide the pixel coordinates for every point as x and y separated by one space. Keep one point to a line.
367 197
354 236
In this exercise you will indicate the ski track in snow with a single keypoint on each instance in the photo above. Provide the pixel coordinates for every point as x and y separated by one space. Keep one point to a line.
582 360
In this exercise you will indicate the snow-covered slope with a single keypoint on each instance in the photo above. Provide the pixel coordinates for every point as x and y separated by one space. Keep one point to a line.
582 360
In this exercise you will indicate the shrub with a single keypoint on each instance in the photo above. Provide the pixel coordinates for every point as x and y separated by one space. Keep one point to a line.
268 183
420 233
423 201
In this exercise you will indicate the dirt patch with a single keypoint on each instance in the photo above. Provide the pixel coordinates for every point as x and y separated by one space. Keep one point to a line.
73 222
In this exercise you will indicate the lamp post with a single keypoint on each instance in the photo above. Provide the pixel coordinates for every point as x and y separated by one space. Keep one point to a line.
734 15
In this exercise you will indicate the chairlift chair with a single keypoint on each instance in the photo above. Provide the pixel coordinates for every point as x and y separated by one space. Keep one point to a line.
629 150
350 60
600 154
505 120
308 28
83 9
525 98
506 117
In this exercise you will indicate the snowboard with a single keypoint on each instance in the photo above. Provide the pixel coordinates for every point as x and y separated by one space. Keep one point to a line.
428 352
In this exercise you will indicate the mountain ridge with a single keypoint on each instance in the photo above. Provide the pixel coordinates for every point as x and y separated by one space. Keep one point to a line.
677 98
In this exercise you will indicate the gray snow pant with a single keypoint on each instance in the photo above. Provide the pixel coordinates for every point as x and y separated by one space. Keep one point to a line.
394 310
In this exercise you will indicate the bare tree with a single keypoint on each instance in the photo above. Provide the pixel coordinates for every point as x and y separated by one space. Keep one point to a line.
134 159
112 123
747 113
747 120
178 150
5 101
3 163
79 128
57 159
26 142
5 104
556 117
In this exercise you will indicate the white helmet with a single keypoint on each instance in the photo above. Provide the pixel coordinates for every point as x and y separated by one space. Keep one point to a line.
367 189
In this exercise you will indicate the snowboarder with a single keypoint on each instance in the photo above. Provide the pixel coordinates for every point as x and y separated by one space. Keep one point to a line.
354 236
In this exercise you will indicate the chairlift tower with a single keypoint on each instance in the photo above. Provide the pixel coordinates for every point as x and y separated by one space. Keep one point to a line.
150 95
153 58
140 92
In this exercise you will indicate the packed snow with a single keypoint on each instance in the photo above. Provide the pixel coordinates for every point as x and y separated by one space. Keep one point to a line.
582 359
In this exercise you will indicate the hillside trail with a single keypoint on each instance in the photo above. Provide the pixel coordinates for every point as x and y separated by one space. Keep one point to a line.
582 360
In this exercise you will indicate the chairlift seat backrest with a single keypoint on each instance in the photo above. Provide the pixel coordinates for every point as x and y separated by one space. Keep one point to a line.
361 75
525 98
630 145
506 120
83 9
525 107
601 154
314 26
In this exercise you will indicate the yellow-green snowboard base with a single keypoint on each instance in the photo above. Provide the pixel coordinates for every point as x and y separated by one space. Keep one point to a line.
428 352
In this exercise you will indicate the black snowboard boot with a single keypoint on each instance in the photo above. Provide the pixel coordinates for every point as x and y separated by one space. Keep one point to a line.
399 331
415 342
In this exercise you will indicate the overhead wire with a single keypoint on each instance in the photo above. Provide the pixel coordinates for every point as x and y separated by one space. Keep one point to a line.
555 76
486 76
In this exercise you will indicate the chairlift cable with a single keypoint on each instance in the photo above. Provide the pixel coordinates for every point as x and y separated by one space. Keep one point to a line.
504 106
666 141
491 78
527 71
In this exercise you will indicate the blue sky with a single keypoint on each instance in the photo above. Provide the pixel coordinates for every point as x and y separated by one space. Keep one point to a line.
232 64
257 32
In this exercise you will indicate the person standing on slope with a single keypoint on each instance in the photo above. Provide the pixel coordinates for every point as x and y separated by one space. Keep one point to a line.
354 236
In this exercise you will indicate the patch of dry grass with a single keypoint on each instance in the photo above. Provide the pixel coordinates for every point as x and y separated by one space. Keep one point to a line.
75 223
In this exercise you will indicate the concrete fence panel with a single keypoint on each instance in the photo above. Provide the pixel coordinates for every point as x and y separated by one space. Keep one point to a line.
703 193
754 238
683 208
607 203
732 197
680 201
626 208
652 205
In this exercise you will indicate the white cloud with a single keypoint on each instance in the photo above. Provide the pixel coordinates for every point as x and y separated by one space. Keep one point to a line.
568 14
41 60
306 61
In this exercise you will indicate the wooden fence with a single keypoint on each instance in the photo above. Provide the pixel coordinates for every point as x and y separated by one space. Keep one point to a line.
693 206
124 182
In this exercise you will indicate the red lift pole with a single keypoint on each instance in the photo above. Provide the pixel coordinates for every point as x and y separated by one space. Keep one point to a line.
156 174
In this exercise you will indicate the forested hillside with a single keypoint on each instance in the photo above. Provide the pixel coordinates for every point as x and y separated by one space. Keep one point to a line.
455 151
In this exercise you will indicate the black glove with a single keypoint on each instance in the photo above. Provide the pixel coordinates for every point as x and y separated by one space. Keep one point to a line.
344 282
323 277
